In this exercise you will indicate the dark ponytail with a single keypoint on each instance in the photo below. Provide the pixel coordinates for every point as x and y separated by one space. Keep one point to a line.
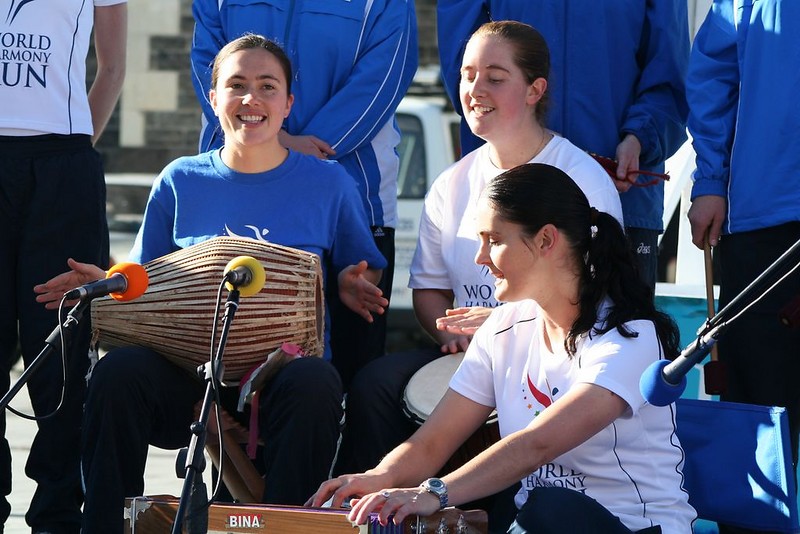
535 194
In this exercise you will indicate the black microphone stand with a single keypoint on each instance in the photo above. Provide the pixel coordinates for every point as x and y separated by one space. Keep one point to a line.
52 343
193 494
708 334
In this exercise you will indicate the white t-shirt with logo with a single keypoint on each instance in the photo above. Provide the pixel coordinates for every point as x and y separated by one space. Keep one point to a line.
448 241
633 466
43 47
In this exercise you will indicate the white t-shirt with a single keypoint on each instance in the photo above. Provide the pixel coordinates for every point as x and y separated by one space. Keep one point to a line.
43 47
448 241
633 466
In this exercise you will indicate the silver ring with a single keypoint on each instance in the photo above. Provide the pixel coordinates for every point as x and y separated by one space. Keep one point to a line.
385 494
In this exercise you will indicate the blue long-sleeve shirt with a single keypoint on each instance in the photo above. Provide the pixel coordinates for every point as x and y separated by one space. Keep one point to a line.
352 64
743 86
616 68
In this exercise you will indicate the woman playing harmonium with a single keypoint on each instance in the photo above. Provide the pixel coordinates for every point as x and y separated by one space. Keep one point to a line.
137 398
560 362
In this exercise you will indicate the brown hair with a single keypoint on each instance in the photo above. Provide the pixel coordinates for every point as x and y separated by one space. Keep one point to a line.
246 42
532 55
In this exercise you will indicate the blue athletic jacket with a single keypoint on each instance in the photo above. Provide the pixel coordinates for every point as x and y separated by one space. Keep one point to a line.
617 67
352 63
744 97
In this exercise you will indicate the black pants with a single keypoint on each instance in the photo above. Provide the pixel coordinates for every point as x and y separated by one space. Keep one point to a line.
354 341
761 355
644 244
375 423
565 511
52 207
137 398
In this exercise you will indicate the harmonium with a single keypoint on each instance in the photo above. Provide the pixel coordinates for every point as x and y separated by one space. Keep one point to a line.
156 515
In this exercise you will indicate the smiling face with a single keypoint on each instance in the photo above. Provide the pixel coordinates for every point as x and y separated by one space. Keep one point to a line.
251 98
496 98
507 252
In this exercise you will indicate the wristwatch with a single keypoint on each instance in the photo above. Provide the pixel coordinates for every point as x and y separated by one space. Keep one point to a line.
438 488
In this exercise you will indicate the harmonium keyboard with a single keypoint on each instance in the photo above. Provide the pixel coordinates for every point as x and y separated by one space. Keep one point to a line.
156 514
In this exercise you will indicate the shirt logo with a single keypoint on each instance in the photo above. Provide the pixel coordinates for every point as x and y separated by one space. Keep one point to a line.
258 234
16 5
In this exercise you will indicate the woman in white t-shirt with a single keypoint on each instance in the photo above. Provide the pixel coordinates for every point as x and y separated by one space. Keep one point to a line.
560 362
504 98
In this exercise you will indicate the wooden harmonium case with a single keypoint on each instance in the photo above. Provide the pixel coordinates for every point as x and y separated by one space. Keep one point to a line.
156 514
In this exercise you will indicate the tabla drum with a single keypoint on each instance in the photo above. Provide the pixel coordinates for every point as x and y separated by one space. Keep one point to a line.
175 315
424 391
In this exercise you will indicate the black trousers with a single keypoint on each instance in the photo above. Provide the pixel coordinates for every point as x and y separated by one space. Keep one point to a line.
644 244
137 398
375 423
566 511
52 207
354 341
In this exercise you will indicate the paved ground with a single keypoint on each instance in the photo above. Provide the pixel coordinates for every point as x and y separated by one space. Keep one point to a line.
159 478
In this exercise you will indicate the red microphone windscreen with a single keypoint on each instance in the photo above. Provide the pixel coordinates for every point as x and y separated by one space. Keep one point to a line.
137 279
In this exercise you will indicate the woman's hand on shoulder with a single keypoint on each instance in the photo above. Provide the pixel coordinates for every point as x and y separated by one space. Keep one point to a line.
358 293
306 144
464 321
50 292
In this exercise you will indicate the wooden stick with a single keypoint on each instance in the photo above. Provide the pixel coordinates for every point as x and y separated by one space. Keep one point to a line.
709 268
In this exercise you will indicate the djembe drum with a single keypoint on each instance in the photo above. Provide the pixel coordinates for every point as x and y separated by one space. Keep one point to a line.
175 315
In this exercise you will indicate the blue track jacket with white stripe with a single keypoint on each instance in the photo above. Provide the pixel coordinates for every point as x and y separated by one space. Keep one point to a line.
352 62
744 99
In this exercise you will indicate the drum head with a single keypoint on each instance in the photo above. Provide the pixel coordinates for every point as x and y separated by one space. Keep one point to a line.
428 385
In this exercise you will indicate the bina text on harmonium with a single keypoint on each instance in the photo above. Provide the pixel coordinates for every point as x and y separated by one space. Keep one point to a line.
155 515
175 315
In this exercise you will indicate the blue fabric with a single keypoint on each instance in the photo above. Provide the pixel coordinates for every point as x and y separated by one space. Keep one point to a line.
742 90
352 63
615 68
738 466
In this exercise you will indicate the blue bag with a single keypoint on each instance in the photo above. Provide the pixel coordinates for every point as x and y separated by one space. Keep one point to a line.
738 467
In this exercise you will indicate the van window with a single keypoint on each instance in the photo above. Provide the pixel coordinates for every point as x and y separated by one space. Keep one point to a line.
412 182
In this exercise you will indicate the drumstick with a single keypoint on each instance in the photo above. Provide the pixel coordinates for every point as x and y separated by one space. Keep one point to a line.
714 374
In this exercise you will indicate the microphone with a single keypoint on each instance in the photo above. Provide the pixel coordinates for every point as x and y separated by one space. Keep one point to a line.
664 381
124 281
246 274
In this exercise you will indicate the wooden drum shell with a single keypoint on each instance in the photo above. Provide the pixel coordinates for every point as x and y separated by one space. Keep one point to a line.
175 315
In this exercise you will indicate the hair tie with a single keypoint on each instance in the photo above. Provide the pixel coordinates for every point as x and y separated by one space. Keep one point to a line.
593 214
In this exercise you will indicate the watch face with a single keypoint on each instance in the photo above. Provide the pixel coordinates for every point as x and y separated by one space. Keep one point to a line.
435 483
438 488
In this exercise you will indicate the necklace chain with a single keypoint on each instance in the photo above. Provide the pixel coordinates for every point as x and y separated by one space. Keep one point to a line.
542 143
